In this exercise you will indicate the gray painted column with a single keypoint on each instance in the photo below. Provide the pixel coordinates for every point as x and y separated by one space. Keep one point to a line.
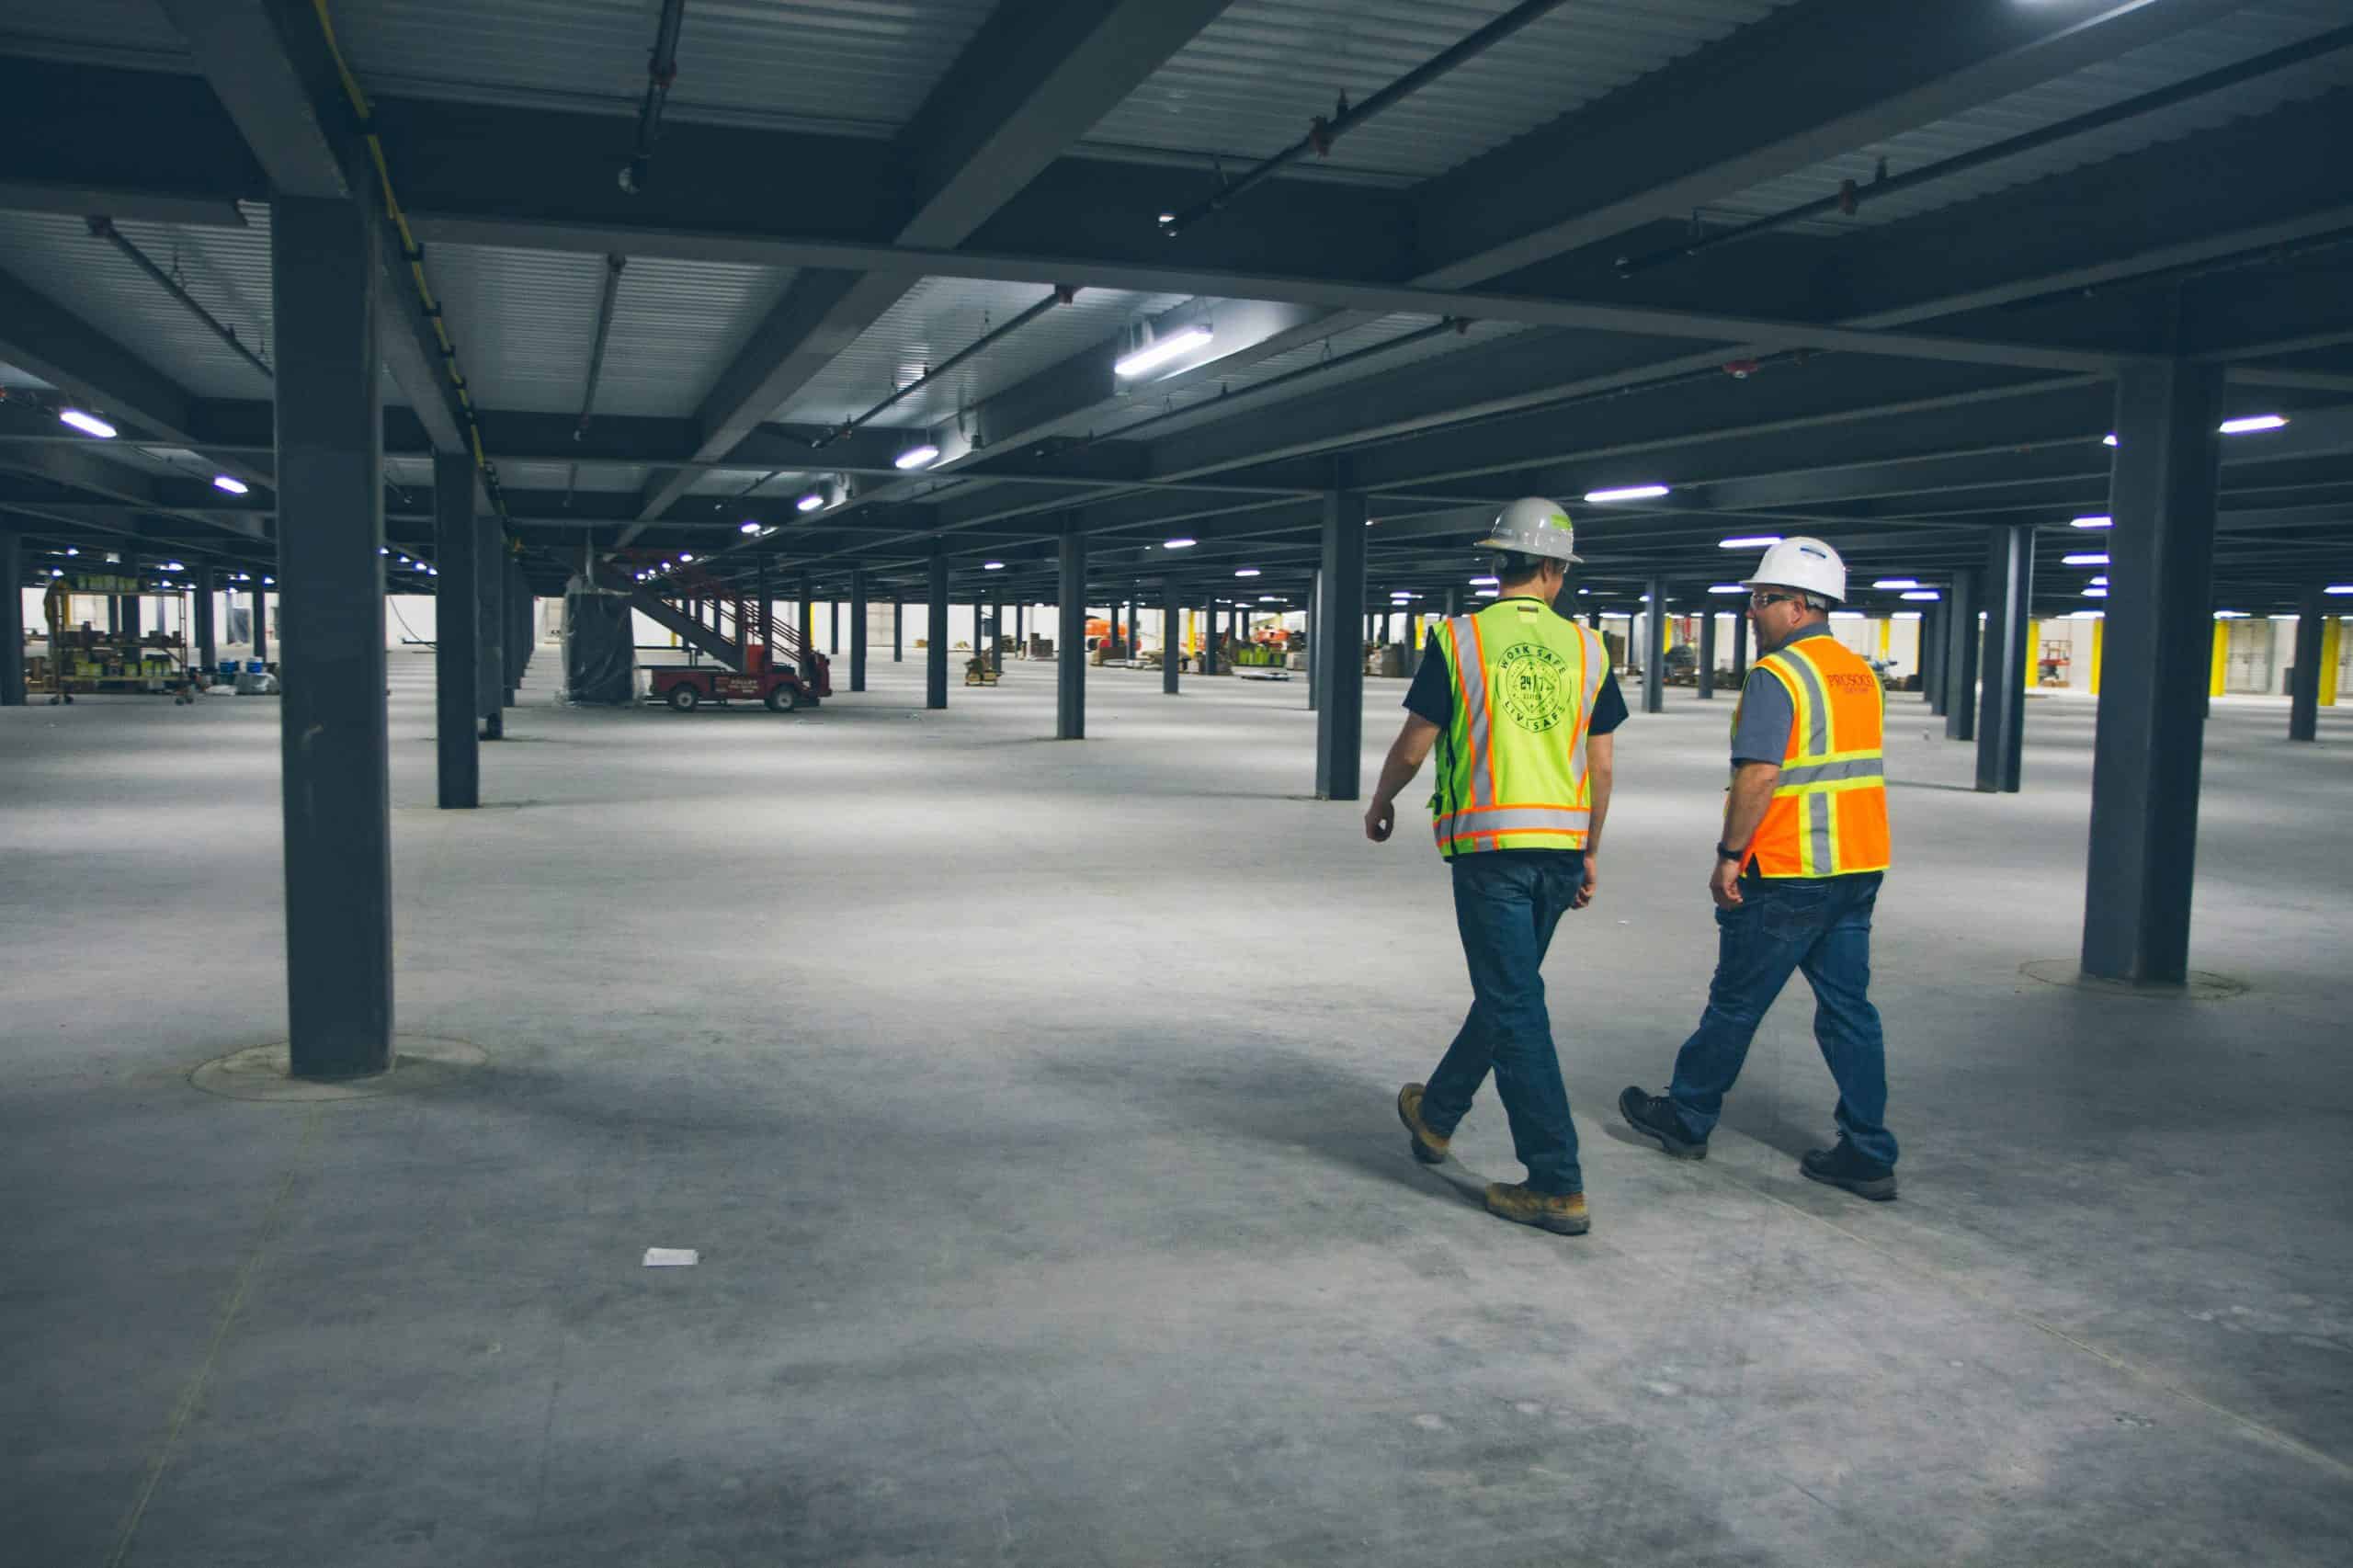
1933 639
2154 672
857 629
521 639
898 629
1070 646
763 588
2303 677
1135 621
806 624
490 619
1654 662
935 679
1339 715
1740 647
1021 630
261 624
205 633
12 622
1707 651
2001 730
1961 647
834 626
1170 653
1314 647
457 677
335 747
996 638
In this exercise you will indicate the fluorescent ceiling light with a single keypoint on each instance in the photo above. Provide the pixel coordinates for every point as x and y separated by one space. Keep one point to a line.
269 582
1923 593
174 566
1154 355
235 486
2108 439
88 423
2099 583
1726 588
811 501
2331 589
2094 593
2230 615
916 457
1627 492
1270 599
684 558
2253 422
1489 593
1759 541
2096 558
57 571
1897 583
2092 522
749 526
1246 572
1491 581
991 565
1179 543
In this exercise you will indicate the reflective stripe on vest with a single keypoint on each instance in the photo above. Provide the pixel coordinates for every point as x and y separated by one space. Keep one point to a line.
1828 814
1512 765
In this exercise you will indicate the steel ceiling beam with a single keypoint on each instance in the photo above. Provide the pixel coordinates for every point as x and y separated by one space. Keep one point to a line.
1036 78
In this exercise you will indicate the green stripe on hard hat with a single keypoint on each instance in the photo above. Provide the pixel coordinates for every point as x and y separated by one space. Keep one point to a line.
1534 525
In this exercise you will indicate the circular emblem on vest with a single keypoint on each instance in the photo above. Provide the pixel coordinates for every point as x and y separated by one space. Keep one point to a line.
1529 681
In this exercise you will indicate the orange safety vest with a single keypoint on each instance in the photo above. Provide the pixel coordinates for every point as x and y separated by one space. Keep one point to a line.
1828 817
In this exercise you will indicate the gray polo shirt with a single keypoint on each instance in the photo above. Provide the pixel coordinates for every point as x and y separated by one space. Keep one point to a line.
1761 727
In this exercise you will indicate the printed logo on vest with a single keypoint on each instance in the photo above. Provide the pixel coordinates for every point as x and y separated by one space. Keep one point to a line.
1529 681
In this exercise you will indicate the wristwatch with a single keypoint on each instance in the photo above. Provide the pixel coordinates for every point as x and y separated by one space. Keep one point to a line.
1734 855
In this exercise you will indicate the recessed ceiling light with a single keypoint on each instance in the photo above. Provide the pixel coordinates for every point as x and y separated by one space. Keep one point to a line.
2108 439
684 558
749 526
229 482
811 501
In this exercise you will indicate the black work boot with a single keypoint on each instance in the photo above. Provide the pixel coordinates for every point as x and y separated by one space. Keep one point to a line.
1654 1117
1847 1167
1429 1147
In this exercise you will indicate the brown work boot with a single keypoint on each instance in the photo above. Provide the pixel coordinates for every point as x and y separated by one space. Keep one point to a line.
1562 1213
1429 1147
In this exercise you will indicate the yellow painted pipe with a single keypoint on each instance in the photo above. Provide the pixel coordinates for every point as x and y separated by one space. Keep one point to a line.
2099 638
2331 634
2033 654
2222 657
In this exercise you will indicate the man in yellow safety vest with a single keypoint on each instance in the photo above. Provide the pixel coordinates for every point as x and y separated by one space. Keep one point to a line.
1798 872
1522 705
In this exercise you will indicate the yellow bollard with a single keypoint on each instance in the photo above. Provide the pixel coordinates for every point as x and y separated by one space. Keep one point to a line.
2222 657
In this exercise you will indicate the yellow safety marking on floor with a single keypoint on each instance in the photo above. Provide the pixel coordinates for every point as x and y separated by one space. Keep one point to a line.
273 1221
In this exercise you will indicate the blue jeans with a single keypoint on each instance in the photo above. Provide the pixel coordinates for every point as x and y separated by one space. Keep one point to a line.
1819 925
1506 904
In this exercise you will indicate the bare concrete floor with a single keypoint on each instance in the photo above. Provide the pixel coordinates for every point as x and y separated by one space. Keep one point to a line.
1029 1104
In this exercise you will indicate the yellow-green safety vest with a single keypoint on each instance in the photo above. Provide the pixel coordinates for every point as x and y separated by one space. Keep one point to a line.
1511 763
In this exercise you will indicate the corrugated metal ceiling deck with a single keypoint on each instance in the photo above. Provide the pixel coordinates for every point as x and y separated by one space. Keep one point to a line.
1248 84
132 33
524 322
858 66
2254 31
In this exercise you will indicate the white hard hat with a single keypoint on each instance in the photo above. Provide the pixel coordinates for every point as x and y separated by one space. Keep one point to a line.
1806 564
1534 525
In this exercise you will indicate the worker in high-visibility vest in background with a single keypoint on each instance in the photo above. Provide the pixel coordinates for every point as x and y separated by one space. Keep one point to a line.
1521 704
1797 869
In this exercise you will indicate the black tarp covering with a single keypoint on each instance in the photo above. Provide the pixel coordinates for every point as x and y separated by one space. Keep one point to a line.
599 645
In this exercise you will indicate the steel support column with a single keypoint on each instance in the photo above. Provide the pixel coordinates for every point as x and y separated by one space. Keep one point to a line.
205 632
1339 714
2001 728
1654 641
1707 652
898 629
520 640
490 600
1070 650
1315 645
858 614
335 749
261 625
996 638
1963 644
2154 672
934 662
455 637
2303 676
1933 640
1169 659
1739 647
806 621
12 623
